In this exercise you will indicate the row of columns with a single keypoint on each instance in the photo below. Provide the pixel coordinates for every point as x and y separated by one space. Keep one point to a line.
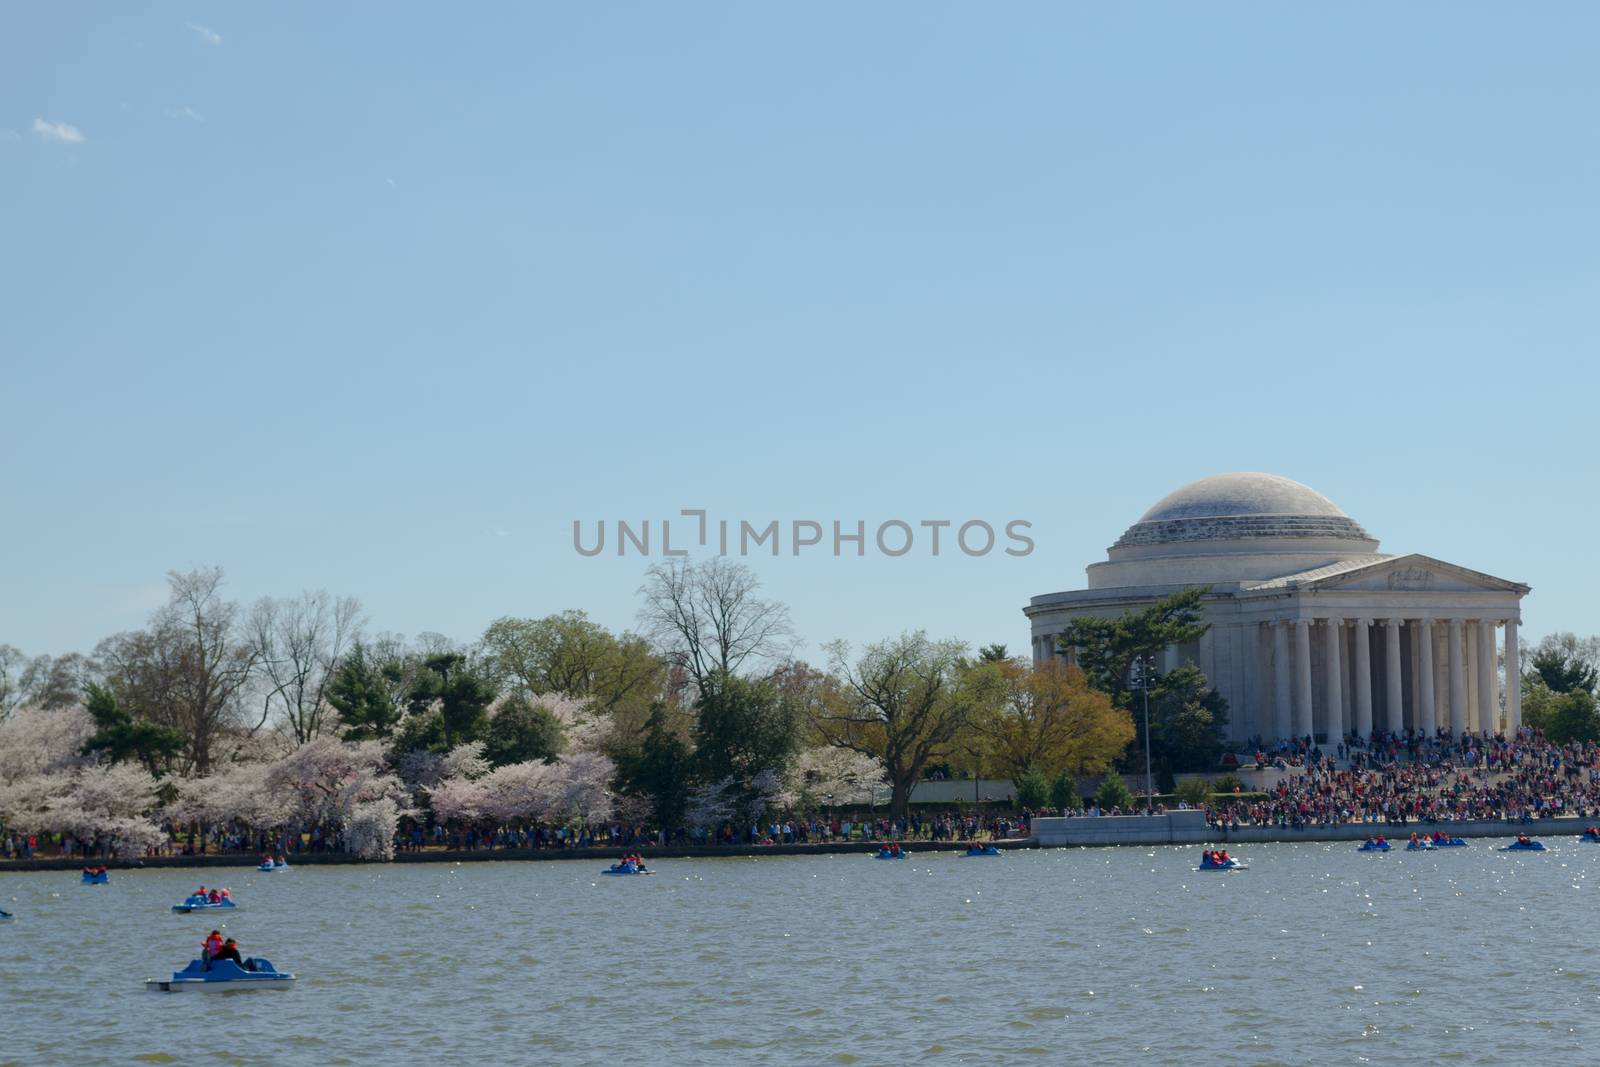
1353 712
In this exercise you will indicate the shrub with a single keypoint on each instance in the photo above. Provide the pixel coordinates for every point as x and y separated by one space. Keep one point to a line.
1032 790
1194 792
1113 792
1228 783
1064 792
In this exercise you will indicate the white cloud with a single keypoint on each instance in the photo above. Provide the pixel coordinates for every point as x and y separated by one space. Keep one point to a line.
207 34
185 112
58 131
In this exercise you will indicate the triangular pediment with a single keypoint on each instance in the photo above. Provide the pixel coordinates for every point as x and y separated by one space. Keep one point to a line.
1413 573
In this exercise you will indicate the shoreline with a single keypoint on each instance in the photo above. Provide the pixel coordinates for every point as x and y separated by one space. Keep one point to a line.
1108 832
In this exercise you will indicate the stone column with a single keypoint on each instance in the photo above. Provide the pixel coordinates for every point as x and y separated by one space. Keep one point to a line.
1363 693
1425 717
1469 645
1394 708
1302 678
1282 687
1513 679
1488 698
1458 682
1333 670
1442 677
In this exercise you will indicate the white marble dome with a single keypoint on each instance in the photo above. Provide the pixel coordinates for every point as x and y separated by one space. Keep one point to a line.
1243 506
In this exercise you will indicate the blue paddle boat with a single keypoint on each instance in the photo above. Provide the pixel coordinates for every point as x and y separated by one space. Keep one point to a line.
1377 844
981 850
97 877
1592 835
1450 842
1523 844
628 867
221 977
1423 845
1229 864
199 903
270 865
885 854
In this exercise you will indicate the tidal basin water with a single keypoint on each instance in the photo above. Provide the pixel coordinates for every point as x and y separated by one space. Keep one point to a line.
1316 954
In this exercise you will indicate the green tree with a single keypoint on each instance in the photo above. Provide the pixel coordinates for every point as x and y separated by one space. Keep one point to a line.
904 701
1106 648
521 730
1064 792
992 654
119 736
1113 793
1562 716
742 727
568 654
1565 664
360 693
660 769
1033 790
463 692
1188 721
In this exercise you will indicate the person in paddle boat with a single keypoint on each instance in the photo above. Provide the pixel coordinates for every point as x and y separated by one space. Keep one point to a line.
1522 839
227 896
215 896
211 947
229 951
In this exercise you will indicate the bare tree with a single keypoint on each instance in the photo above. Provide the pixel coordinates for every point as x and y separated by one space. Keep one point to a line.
707 617
189 669
13 664
297 644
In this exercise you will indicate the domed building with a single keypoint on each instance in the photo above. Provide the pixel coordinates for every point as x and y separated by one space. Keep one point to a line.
1313 630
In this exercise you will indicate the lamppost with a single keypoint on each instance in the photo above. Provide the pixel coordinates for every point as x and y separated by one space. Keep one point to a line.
1143 666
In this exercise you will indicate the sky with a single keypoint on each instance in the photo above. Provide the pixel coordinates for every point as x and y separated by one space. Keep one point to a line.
381 299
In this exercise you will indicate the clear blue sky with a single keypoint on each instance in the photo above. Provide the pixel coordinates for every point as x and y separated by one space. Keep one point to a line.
380 299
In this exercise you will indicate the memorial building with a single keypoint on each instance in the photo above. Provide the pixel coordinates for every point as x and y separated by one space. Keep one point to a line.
1313 630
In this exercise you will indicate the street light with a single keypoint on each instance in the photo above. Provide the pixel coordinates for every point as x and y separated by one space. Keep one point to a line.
1143 666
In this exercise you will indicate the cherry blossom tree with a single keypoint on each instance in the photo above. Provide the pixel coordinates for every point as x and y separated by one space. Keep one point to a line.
329 779
241 791
370 828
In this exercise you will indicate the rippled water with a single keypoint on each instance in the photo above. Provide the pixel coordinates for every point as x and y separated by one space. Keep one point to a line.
1315 954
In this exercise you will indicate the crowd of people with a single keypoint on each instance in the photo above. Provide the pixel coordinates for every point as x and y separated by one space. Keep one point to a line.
1420 778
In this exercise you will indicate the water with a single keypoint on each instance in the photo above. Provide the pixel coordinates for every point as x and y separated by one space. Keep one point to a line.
1316 954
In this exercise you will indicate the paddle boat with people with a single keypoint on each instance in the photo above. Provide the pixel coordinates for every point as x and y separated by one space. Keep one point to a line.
976 849
891 852
1524 843
96 876
222 976
1219 860
1374 844
629 865
206 900
268 864
1592 834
